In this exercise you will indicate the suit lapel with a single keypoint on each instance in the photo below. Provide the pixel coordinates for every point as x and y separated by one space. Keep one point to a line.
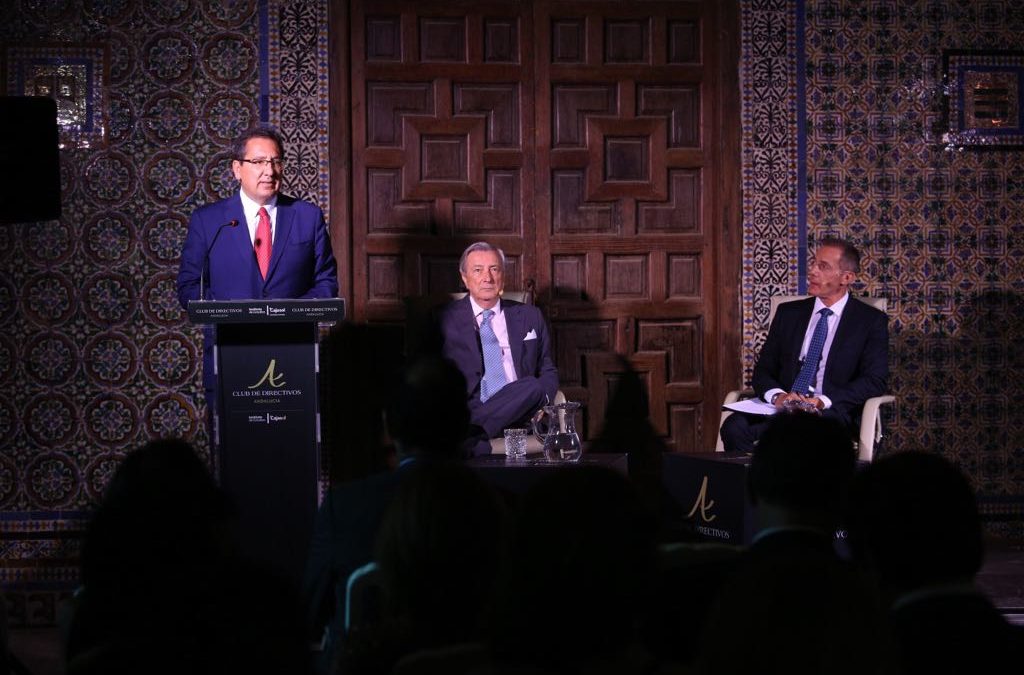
514 326
239 236
847 324
465 318
806 312
283 230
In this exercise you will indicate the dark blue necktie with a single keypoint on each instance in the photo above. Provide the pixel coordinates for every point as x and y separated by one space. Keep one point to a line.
494 370
810 368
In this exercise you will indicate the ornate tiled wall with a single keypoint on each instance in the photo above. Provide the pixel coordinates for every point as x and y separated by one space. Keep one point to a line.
95 354
851 93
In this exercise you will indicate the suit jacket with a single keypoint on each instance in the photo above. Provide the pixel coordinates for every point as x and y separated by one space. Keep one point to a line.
858 361
302 264
460 342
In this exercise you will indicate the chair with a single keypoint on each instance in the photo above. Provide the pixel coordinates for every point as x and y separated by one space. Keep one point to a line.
363 597
870 421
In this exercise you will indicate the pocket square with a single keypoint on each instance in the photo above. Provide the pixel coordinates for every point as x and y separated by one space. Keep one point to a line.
532 335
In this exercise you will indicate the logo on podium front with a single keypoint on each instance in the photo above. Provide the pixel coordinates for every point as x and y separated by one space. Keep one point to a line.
270 378
702 504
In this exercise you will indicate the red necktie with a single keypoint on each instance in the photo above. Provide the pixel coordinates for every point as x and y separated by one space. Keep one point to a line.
262 246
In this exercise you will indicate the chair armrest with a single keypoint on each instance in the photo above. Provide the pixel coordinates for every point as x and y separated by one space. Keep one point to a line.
737 395
871 426
731 397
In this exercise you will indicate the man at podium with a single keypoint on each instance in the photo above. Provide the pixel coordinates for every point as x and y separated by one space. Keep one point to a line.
257 243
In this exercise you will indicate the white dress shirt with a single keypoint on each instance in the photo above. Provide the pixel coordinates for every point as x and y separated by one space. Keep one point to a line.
252 216
500 329
833 323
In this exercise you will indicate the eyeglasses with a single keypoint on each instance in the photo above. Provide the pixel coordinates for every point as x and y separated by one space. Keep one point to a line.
823 267
277 162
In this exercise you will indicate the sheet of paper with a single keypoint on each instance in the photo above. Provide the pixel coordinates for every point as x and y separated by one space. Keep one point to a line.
753 406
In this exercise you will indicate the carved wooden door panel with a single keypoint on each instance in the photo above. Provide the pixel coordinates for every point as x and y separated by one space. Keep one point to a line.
597 144
629 219
442 136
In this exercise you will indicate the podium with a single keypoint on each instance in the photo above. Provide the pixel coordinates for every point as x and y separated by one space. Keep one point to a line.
267 419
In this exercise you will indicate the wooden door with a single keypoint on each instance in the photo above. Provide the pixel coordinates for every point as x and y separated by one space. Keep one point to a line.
597 143
442 138
630 220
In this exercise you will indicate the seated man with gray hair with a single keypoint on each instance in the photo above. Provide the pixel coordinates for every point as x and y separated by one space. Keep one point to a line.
502 348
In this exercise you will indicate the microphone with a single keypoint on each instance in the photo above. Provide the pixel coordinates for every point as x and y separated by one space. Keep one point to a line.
206 259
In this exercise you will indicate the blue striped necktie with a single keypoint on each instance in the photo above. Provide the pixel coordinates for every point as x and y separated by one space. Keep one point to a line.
494 369
810 368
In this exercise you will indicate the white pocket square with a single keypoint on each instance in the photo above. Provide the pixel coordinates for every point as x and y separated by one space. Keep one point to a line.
532 335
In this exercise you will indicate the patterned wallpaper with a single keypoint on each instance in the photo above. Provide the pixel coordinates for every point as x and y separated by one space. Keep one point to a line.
843 134
95 354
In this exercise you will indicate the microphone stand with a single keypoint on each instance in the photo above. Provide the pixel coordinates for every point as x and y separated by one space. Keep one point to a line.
206 258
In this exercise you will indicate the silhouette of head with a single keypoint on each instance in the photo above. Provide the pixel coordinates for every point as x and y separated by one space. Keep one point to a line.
913 518
428 412
803 463
162 508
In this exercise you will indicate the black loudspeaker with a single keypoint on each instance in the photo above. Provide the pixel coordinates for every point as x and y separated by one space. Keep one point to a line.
29 154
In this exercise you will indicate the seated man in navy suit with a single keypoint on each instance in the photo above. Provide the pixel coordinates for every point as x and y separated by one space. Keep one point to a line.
829 351
281 250
502 348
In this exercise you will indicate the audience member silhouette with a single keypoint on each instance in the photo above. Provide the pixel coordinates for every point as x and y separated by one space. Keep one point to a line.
427 419
627 429
800 617
577 576
437 550
163 589
914 523
792 605
798 480
360 366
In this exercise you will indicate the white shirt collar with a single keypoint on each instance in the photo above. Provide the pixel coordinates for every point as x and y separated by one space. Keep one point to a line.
251 208
477 309
837 308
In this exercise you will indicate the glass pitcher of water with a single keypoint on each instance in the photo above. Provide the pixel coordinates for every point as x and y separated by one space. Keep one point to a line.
555 427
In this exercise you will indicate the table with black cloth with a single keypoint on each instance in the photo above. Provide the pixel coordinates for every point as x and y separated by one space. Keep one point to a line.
514 477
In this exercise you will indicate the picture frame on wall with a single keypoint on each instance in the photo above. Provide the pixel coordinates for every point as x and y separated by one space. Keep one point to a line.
984 99
75 76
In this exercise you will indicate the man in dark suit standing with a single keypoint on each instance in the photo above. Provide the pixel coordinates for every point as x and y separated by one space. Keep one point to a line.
257 243
502 348
829 351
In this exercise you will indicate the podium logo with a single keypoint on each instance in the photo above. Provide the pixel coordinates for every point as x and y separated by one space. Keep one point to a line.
702 504
272 379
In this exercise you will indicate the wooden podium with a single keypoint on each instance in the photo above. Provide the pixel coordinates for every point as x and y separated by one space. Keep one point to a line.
267 419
